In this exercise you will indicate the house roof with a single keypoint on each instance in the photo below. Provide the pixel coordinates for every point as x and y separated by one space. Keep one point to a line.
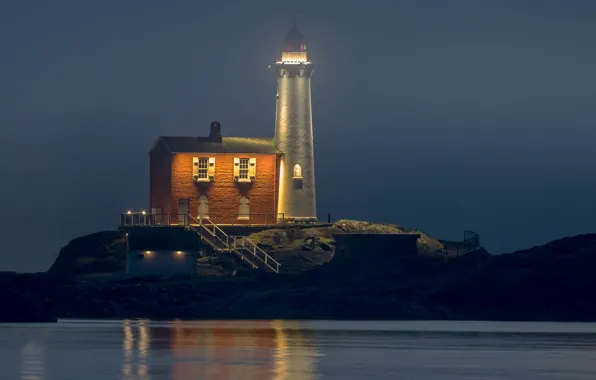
188 144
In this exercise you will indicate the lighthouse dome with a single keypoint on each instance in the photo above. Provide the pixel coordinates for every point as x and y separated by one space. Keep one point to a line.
294 41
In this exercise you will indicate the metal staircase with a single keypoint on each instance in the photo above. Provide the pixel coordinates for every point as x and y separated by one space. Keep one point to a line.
241 246
470 243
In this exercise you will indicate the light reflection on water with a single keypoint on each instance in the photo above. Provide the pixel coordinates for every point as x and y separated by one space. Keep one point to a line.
288 350
134 363
221 350
32 362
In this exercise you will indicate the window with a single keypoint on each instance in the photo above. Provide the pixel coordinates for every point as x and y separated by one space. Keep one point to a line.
297 171
243 208
245 169
203 168
243 172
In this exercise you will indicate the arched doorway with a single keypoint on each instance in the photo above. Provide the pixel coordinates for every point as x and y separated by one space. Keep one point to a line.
203 207
243 208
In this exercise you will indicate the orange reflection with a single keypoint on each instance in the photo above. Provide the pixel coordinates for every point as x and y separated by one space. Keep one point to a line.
241 350
134 364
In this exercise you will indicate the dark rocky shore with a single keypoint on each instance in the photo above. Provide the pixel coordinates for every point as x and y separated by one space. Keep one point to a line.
553 282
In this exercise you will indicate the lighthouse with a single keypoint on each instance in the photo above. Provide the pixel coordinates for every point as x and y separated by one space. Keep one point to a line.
294 131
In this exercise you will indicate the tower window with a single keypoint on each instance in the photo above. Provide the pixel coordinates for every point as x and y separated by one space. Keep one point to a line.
243 172
297 171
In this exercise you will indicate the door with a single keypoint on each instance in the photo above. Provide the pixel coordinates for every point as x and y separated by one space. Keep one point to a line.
183 208
156 215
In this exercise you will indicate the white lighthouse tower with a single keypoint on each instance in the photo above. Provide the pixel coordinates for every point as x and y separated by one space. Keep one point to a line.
293 130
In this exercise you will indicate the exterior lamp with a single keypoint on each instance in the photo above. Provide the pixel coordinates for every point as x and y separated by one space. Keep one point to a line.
128 212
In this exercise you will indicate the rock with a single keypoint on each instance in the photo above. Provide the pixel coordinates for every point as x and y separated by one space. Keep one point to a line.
26 298
326 247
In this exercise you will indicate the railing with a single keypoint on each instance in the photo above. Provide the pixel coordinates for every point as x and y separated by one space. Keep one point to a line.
210 232
219 240
146 219
258 253
470 243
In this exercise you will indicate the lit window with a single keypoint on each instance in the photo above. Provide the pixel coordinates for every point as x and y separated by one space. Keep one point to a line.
203 172
297 171
243 172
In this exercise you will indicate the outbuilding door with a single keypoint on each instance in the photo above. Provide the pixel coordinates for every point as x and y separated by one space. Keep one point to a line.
183 208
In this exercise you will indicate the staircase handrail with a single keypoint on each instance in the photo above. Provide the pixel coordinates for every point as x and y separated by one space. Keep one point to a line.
254 249
236 244
225 242
201 223
470 243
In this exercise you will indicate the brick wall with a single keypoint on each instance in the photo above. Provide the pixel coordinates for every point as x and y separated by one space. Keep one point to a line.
160 174
223 193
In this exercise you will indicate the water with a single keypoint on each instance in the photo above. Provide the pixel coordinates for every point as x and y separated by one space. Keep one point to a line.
143 350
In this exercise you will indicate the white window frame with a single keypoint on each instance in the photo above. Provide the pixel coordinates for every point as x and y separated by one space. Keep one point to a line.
243 170
203 170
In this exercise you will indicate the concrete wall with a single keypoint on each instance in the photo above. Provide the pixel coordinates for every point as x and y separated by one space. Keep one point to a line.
294 136
223 193
163 239
164 264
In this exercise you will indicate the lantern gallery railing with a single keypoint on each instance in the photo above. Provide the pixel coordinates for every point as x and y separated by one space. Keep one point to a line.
129 219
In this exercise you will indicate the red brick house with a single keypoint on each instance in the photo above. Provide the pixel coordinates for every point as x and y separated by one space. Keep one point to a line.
227 179
243 179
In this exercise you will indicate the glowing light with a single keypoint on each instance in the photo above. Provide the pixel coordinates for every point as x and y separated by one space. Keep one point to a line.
293 63
179 252
147 252
294 57
144 212
128 212
281 193
297 171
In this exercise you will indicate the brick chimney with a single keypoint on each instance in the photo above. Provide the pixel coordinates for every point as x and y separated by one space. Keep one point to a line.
215 131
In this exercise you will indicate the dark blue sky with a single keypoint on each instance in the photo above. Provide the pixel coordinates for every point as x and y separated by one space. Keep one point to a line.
440 115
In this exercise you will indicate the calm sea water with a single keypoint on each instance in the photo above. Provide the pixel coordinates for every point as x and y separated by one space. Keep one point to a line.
143 350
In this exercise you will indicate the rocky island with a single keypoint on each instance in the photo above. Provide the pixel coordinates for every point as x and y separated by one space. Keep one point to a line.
553 282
